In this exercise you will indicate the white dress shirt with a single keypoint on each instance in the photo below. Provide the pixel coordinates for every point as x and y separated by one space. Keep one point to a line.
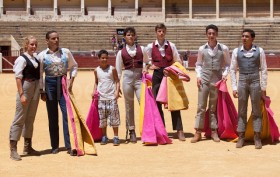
56 57
21 63
249 53
212 52
131 50
176 56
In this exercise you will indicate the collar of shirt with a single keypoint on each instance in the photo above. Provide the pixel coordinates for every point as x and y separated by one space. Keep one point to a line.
159 46
131 50
32 59
248 53
212 52
59 50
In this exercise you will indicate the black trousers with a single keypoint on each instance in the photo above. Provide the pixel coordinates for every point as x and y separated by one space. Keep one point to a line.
175 115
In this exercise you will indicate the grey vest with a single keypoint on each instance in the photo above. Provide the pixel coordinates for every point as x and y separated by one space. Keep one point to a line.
213 62
248 65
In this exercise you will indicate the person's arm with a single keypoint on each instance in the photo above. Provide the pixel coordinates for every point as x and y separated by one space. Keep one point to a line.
146 61
233 69
263 70
198 67
95 83
119 64
18 68
117 83
226 61
176 56
73 66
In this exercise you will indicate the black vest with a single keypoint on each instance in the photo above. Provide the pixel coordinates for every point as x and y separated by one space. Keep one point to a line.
30 72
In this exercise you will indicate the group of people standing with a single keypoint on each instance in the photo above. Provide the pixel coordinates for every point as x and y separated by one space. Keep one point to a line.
213 64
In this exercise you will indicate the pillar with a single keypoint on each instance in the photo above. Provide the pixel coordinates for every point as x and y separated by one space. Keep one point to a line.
190 9
244 9
217 8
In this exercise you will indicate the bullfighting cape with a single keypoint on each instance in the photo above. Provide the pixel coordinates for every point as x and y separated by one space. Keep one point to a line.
80 137
171 91
226 114
269 130
92 120
152 129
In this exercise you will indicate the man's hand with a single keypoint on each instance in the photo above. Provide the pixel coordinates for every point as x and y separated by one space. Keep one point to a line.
43 96
153 67
23 100
198 82
235 94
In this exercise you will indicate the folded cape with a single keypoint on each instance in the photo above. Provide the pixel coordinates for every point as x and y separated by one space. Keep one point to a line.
80 137
151 125
171 91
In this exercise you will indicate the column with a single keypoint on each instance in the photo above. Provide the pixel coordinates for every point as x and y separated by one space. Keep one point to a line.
136 7
55 7
190 9
244 9
163 9
271 9
217 8
109 7
1 7
83 7
28 7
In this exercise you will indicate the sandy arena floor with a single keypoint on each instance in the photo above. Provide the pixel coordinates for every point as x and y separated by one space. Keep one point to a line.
205 158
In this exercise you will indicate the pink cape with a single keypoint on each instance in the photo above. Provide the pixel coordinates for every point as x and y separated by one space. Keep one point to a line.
274 132
92 120
226 114
153 131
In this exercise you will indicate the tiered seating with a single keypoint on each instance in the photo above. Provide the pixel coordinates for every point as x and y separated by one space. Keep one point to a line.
85 36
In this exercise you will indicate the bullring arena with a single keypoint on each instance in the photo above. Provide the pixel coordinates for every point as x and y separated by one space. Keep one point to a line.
87 26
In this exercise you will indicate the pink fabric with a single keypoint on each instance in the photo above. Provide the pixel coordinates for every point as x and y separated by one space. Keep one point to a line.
153 129
80 152
177 72
272 125
226 114
162 92
92 120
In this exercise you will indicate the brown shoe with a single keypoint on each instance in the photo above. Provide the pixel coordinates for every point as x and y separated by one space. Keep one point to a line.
132 136
241 140
181 135
214 136
28 150
196 137
13 147
257 139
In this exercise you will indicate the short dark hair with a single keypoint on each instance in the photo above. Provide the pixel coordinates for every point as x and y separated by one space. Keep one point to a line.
252 32
102 51
50 32
214 27
129 29
160 26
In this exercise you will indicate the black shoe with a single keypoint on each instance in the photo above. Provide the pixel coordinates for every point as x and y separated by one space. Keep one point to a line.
54 151
72 152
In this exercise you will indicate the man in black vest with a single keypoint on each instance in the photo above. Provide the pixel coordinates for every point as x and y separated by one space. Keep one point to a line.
251 62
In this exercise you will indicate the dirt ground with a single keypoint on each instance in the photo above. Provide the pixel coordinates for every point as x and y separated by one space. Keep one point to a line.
205 158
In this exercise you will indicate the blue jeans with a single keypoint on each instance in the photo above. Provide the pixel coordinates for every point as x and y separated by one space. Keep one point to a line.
55 97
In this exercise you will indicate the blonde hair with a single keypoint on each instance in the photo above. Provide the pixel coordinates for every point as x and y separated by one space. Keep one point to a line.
26 41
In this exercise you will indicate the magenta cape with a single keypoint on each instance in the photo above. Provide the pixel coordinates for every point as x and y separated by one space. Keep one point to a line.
226 114
92 120
153 130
